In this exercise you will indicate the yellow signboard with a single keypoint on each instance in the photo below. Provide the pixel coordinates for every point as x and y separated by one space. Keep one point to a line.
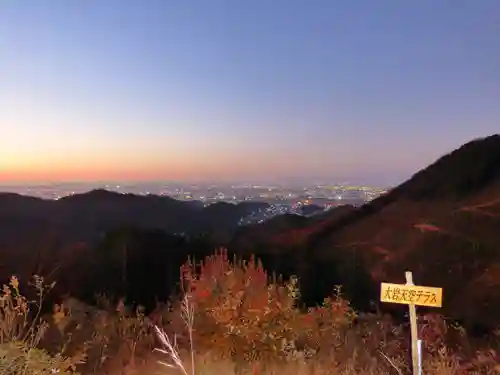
411 294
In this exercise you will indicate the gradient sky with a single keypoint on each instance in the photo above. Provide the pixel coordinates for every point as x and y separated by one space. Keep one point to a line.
367 90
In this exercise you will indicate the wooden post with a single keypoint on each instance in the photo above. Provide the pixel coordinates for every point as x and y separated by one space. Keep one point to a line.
413 328
412 295
419 342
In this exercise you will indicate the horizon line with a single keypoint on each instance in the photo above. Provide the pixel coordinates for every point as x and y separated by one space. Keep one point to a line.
123 183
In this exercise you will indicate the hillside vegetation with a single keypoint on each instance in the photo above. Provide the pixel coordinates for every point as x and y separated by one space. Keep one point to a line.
230 317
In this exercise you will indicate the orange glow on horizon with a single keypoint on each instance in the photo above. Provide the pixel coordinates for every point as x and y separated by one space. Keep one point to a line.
128 169
98 173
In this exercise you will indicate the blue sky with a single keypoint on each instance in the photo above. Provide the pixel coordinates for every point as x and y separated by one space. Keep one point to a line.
367 90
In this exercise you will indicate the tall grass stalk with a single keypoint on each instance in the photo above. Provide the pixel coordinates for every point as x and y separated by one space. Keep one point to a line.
170 348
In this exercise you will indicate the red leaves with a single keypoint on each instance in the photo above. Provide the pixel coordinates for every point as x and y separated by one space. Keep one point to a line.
203 294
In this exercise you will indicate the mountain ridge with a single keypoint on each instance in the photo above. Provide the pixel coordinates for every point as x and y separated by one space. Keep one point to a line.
99 210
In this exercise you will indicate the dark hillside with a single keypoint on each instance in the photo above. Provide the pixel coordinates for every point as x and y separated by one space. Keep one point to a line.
86 217
464 172
253 236
221 219
286 231
442 224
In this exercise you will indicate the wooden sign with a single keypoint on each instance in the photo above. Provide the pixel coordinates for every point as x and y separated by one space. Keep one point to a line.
411 294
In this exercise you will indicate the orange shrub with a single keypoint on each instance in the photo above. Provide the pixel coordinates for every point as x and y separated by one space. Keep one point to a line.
243 314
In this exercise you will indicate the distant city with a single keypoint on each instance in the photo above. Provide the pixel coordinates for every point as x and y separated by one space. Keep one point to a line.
305 200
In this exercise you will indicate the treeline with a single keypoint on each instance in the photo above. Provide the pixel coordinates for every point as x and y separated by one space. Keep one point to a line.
144 266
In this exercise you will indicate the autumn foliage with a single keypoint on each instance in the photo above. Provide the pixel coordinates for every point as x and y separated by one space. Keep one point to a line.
254 319
241 315
227 311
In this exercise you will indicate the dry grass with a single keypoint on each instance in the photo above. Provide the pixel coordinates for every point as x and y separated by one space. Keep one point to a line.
231 318
21 332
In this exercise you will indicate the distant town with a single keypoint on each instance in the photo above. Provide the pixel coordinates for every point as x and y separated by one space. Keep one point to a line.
304 200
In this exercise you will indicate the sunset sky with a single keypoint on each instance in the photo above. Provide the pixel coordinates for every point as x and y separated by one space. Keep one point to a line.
367 90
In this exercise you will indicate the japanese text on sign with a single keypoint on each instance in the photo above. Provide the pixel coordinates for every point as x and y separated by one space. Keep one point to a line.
409 294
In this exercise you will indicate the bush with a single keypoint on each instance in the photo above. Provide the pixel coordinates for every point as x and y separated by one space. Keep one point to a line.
232 318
